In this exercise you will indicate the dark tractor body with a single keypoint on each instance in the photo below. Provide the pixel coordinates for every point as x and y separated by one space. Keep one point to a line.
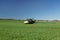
31 21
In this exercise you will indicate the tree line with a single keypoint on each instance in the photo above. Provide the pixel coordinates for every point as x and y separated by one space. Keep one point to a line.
7 19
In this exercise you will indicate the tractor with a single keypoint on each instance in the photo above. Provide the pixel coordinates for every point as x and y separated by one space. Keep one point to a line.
29 21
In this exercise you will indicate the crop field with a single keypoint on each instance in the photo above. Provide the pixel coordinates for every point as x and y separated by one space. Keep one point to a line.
17 30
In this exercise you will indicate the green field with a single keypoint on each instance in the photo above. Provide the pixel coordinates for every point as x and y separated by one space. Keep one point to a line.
17 30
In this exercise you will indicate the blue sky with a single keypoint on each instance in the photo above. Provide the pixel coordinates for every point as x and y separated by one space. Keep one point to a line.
22 9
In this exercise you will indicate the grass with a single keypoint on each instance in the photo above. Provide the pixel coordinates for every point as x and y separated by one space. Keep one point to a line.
17 30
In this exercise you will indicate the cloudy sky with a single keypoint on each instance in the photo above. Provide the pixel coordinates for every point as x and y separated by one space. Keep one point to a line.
22 9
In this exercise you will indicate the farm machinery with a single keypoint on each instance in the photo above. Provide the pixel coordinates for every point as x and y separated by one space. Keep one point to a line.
29 21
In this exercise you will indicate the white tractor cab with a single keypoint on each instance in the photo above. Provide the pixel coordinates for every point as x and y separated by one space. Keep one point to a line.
29 21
